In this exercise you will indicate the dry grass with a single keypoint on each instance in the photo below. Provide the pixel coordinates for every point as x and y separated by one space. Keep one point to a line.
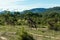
41 31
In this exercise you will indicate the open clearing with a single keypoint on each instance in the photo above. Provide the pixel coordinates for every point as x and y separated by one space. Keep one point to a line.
8 33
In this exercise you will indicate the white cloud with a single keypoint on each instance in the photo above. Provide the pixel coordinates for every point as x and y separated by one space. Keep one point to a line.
9 4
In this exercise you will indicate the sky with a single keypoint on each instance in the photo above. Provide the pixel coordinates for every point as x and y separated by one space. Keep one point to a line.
20 5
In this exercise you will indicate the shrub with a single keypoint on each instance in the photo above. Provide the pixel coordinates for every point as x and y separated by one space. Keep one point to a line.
55 27
23 35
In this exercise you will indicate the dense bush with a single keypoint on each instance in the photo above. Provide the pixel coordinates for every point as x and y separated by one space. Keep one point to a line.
31 19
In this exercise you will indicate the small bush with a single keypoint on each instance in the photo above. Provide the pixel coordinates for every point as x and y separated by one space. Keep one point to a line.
27 36
23 35
56 27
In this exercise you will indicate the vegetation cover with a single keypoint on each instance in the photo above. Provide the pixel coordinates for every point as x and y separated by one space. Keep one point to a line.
49 19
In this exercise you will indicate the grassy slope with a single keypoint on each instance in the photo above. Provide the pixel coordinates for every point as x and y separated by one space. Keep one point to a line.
40 31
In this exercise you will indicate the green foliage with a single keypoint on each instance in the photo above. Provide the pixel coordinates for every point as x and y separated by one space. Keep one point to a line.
23 35
16 18
26 36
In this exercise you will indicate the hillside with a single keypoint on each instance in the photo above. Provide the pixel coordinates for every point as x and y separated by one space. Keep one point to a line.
41 10
33 24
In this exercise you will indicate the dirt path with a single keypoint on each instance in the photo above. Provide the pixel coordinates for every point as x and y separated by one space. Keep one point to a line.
34 35
57 38
3 38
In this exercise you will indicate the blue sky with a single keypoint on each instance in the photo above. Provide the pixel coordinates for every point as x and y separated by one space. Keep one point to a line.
19 5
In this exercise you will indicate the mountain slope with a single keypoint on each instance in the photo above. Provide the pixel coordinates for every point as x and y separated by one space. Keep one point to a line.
40 10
